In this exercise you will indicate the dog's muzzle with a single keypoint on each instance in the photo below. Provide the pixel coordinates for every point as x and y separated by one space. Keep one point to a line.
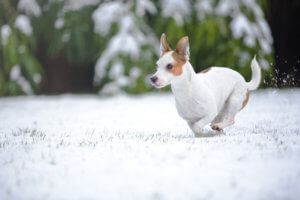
153 79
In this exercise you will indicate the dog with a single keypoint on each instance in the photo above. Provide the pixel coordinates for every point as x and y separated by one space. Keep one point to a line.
215 95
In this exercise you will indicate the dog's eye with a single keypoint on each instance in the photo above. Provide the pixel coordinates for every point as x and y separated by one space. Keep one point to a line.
169 66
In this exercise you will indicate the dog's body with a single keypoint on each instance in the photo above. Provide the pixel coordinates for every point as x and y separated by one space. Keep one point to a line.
213 96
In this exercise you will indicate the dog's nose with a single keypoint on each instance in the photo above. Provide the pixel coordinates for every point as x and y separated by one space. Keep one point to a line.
153 79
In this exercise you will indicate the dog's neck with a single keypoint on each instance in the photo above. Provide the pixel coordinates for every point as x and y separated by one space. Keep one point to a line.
181 85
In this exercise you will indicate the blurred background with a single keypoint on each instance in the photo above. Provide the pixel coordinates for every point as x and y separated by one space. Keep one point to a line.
110 47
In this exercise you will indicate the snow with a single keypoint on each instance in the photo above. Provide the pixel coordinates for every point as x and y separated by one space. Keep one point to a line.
135 72
265 46
128 41
265 30
31 7
59 23
225 7
5 33
240 25
137 147
143 6
116 70
176 9
203 7
23 24
15 73
108 13
124 42
264 64
78 4
37 78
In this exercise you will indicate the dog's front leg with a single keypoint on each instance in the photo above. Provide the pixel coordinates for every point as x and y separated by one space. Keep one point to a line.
197 127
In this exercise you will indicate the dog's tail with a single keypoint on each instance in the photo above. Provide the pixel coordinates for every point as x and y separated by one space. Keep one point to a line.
256 75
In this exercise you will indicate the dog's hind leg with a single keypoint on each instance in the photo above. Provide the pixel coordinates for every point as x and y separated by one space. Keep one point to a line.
222 114
219 126
235 103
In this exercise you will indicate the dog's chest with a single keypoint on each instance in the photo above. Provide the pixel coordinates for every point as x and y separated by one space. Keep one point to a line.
189 109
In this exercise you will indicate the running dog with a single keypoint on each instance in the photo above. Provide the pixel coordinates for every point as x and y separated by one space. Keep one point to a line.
215 95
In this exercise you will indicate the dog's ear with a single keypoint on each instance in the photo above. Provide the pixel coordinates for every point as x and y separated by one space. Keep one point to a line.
164 46
182 50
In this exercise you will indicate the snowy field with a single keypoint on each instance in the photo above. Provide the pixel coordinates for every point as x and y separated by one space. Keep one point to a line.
137 147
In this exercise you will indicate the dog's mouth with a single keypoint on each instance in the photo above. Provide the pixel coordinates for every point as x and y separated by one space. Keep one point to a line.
157 85
156 82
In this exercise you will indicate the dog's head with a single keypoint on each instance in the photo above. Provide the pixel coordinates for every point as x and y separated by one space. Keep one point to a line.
171 63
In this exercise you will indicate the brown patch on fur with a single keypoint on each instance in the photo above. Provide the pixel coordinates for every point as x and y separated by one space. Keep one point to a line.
205 70
182 47
246 100
177 65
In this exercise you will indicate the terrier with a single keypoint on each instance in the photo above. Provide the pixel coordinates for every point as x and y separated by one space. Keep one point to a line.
215 95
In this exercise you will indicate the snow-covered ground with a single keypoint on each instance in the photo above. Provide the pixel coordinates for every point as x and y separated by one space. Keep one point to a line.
137 147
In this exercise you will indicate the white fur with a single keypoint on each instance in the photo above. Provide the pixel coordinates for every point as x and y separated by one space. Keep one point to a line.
256 75
212 97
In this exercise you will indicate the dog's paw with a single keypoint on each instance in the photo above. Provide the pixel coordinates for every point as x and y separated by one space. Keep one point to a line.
216 127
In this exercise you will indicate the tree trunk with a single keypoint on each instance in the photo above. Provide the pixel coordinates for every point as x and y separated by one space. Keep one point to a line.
62 77
284 19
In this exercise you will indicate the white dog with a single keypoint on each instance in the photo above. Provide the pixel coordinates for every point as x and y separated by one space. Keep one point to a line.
214 95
